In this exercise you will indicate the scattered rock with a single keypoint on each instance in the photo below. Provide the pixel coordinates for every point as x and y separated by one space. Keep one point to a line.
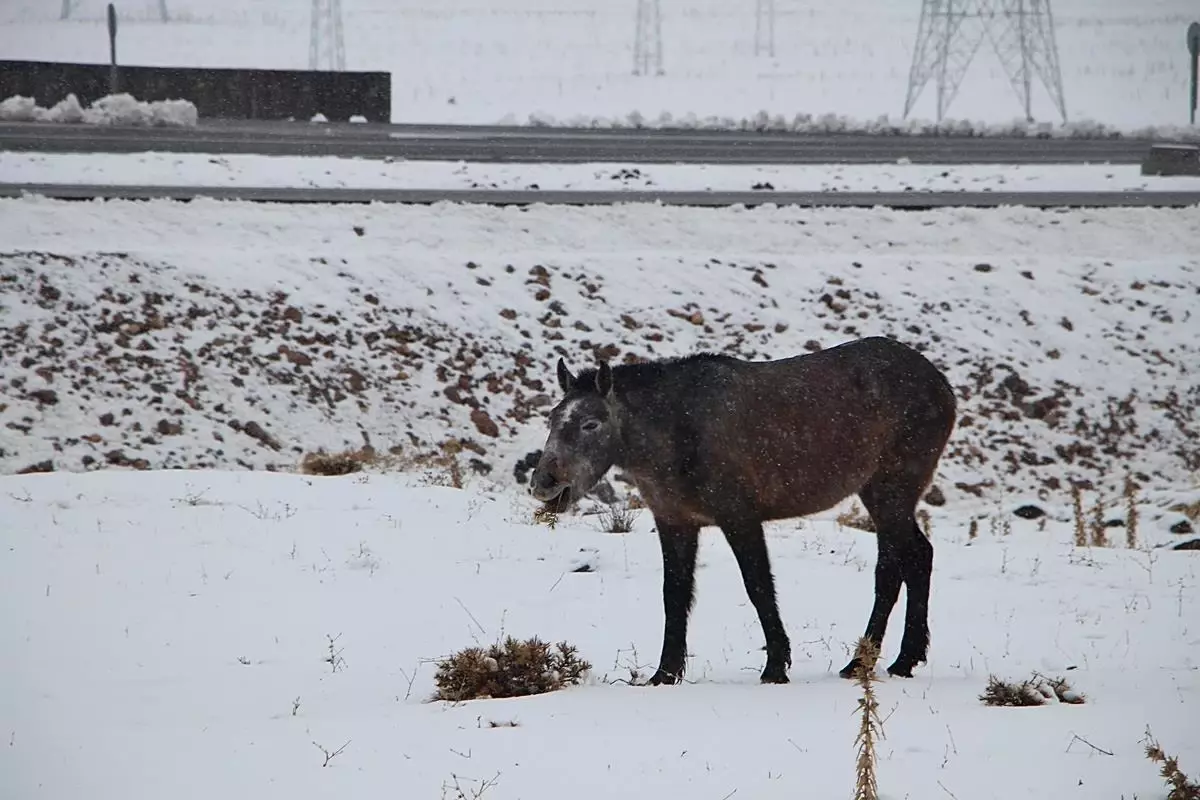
1194 544
484 423
1183 527
41 466
983 267
935 496
107 419
167 427
1029 512
256 431
44 397
525 465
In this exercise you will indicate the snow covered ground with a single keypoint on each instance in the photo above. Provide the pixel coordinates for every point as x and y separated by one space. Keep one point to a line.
221 334
198 169
572 60
165 635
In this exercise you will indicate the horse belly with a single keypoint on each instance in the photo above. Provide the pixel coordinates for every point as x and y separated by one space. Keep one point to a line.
808 477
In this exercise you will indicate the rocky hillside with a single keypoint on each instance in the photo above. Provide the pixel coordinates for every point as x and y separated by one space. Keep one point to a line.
247 336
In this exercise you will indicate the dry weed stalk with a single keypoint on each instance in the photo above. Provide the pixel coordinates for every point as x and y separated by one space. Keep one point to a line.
1131 513
545 515
973 530
870 727
456 791
1081 538
1099 535
1182 787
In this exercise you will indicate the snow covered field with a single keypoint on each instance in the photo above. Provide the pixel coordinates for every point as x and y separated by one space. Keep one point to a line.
188 169
165 635
572 60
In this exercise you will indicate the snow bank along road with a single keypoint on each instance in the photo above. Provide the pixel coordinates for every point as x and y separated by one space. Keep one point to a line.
561 145
916 201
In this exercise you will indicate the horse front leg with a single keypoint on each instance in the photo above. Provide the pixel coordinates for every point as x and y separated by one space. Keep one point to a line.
749 547
679 545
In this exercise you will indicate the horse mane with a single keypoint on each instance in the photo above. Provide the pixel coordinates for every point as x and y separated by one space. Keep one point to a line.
644 374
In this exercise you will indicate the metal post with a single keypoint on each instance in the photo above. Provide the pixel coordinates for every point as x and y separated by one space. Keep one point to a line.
114 82
1193 38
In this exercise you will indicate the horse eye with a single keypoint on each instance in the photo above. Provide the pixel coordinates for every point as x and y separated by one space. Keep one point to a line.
591 425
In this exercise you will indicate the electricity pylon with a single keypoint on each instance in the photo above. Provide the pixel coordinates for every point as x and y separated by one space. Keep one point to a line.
326 44
764 27
647 39
1021 33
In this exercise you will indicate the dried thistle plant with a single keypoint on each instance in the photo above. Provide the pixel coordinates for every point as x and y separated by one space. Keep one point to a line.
1081 538
1131 513
1099 535
1182 787
870 727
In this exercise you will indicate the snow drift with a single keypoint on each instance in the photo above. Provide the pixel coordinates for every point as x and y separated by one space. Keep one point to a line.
113 109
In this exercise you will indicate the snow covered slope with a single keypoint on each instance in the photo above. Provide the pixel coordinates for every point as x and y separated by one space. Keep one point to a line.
572 60
165 635
157 334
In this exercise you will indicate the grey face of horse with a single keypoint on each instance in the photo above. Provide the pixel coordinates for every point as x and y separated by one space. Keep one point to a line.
583 439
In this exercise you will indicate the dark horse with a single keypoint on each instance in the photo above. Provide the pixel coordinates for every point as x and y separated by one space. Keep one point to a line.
716 440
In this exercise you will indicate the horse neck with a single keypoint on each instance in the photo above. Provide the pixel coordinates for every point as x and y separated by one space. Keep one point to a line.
637 429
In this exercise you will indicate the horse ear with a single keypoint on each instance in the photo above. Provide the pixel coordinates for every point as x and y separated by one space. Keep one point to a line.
565 379
604 380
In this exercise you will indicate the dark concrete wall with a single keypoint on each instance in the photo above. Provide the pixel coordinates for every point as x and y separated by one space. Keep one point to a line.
222 93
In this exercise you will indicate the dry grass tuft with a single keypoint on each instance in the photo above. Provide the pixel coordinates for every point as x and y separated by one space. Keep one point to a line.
853 517
1182 787
343 463
618 518
511 669
1189 510
870 727
925 519
1034 691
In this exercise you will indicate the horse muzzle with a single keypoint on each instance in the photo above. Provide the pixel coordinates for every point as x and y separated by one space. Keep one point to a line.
544 486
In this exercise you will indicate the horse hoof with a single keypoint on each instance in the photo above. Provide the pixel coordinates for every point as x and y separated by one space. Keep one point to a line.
663 678
850 671
774 675
901 670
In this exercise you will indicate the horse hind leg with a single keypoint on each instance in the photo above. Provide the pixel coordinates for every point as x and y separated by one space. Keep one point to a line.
905 555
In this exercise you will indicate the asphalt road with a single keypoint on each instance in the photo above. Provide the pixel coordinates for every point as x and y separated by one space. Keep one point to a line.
900 200
560 145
